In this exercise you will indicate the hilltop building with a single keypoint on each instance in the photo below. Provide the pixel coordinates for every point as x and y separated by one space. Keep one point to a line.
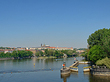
45 46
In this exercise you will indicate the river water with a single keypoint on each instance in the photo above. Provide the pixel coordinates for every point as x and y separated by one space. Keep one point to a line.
44 70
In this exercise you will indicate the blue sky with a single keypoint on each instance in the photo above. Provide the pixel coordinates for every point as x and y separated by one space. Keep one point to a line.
63 23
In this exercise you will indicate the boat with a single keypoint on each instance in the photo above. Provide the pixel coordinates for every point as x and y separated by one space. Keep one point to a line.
86 69
74 69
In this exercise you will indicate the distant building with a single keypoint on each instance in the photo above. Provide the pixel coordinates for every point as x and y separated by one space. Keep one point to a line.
55 48
80 51
1 50
8 51
46 46
63 48
27 48
33 48
19 48
51 47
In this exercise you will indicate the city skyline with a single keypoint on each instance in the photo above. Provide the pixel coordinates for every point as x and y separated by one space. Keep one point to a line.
28 23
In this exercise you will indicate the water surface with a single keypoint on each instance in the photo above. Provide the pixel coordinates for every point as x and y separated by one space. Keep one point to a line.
45 70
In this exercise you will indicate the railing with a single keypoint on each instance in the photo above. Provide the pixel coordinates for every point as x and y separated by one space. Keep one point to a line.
100 69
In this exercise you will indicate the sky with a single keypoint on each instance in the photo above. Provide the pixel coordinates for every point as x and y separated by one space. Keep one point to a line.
62 23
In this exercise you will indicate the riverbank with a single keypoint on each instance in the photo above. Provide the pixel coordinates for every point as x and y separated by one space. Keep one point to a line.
12 58
7 58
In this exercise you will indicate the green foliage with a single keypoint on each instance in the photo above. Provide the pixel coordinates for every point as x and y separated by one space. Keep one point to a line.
2 48
96 53
46 51
50 52
69 53
99 44
14 54
86 54
106 46
97 38
39 53
20 54
56 53
5 48
2 55
103 62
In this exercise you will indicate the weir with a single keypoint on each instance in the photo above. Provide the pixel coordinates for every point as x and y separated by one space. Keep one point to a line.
76 63
74 68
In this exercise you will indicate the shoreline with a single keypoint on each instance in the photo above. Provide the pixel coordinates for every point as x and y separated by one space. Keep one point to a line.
7 58
12 58
44 57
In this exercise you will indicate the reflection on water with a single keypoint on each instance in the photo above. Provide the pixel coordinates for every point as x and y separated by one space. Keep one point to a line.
99 78
74 74
65 77
86 74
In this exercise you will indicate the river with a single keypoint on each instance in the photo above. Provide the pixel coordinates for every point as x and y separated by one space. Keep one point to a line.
44 70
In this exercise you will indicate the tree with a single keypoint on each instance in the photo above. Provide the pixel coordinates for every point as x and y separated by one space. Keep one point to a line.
14 54
2 54
8 54
96 53
50 52
105 62
46 52
86 54
97 38
99 44
106 46
29 53
39 53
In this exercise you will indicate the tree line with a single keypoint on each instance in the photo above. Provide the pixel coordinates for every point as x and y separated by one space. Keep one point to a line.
56 53
16 54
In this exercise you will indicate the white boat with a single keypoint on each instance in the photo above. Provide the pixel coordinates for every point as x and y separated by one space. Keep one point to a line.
86 69
74 69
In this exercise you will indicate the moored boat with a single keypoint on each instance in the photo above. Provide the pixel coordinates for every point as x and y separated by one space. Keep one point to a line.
86 69
74 69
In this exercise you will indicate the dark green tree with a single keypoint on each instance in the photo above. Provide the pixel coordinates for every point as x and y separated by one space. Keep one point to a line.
96 53
97 38
8 55
106 46
46 52
14 54
2 55
50 52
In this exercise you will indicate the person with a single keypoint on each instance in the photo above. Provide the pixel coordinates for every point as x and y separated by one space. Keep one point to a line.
64 65
74 58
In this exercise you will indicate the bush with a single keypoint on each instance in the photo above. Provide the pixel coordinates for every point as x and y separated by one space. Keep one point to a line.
104 61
